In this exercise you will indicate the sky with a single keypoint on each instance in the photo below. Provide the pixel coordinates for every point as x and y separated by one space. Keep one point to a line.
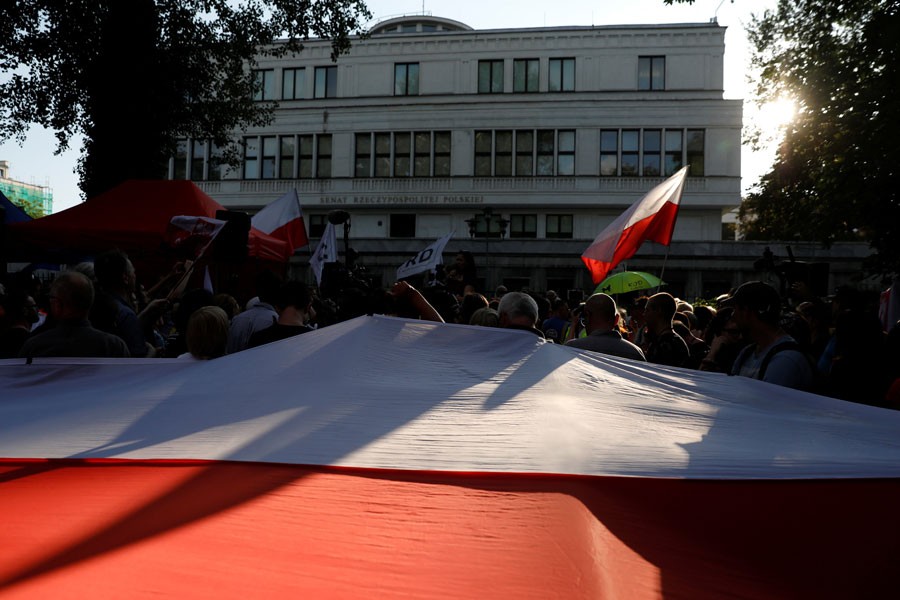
35 161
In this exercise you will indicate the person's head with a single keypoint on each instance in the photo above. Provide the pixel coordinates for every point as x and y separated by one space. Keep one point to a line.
517 308
267 286
683 306
659 311
704 315
471 303
227 303
485 317
71 296
500 291
756 303
20 308
293 294
560 308
207 333
600 313
188 304
114 271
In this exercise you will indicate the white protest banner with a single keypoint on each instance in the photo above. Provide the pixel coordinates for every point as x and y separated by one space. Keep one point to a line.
426 260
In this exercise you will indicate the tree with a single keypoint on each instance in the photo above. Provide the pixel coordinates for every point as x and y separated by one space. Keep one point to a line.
835 175
134 77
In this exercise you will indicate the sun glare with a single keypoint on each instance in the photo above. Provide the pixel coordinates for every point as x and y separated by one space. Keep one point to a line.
772 117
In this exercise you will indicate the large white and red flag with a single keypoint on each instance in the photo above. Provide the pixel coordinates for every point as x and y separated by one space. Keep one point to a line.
651 218
283 220
192 235
397 458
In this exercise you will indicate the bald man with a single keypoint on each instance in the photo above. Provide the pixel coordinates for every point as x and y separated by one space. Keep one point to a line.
601 322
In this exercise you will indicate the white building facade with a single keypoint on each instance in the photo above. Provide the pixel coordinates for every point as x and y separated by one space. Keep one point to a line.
526 142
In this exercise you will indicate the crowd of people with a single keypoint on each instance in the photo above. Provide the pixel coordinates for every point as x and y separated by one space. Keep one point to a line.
835 347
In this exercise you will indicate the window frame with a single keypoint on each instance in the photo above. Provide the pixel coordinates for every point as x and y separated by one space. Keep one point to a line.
263 85
402 225
560 233
328 77
296 94
651 73
559 82
402 83
524 80
494 76
523 226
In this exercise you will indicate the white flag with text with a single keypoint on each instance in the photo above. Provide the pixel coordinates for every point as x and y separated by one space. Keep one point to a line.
426 260
325 252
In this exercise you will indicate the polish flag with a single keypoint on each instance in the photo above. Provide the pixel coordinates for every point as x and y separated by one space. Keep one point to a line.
192 235
387 458
651 218
283 220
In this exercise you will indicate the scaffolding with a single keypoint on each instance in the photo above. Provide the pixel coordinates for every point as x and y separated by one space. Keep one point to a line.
29 197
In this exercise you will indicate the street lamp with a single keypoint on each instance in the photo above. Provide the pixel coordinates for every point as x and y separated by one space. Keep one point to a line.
487 217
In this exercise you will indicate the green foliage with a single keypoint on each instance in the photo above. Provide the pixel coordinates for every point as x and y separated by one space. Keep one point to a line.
835 176
134 76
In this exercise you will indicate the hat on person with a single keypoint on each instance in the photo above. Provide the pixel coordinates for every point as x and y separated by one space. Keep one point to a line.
757 296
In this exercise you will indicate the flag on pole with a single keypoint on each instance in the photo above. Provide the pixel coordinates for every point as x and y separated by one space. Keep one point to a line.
192 235
325 252
426 260
283 219
651 218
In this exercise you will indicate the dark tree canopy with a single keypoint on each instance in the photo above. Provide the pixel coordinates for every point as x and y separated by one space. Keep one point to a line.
134 76
835 175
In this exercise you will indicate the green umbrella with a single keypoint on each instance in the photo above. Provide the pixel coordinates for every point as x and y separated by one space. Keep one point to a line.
628 281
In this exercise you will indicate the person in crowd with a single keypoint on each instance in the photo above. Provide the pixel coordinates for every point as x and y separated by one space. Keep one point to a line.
773 355
207 333
406 301
115 309
636 323
697 348
260 315
485 317
190 301
556 325
818 316
518 310
294 305
19 314
71 297
725 342
703 315
859 370
663 345
470 303
227 303
601 321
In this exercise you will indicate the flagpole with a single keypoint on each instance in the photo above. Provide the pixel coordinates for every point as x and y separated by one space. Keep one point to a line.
663 270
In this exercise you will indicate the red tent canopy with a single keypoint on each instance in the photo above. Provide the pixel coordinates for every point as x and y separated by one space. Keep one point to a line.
132 217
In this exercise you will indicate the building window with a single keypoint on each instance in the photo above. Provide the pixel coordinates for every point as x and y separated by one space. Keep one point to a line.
406 79
251 158
695 145
526 75
559 226
523 226
181 158
198 160
609 153
363 166
524 153
269 156
651 72
317 224
293 84
323 156
326 82
263 85
287 157
545 152
490 76
403 226
442 154
562 75
651 152
673 156
403 154
651 162
305 166
565 154
631 152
